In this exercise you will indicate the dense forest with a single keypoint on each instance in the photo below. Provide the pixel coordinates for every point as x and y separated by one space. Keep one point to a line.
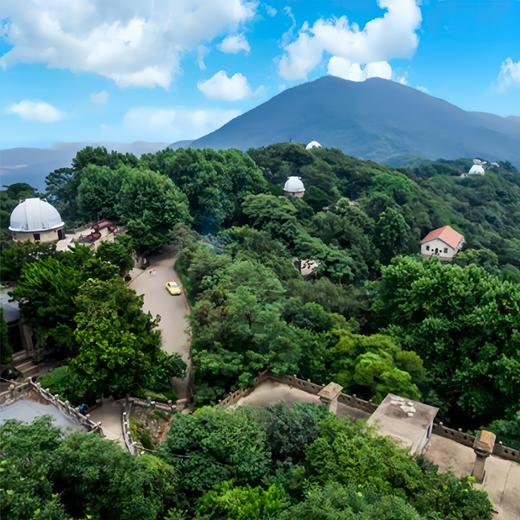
373 316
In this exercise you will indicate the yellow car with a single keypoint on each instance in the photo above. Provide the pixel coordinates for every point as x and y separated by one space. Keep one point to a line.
173 288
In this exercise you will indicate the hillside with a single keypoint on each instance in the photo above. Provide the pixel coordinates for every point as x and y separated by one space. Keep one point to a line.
376 119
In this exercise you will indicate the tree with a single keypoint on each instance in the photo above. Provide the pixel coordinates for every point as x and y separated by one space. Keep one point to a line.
375 365
46 291
98 192
15 255
118 344
151 205
463 322
242 503
118 253
6 351
334 501
348 454
213 445
392 234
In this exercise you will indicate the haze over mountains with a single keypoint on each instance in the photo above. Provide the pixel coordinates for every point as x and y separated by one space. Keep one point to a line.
376 119
32 165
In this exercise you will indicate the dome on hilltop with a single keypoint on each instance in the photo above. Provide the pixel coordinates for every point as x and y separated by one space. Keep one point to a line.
294 185
33 216
313 144
476 169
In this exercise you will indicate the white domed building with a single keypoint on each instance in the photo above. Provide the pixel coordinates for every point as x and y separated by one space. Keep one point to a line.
477 169
294 187
313 144
35 220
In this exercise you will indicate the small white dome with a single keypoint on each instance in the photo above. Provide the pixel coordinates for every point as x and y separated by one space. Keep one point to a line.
294 185
476 169
35 215
313 144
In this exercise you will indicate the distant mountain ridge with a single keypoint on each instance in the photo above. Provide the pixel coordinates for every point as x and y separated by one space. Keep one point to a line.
32 165
376 119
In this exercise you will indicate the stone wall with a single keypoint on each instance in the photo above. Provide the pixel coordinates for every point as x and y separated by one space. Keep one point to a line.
467 440
19 390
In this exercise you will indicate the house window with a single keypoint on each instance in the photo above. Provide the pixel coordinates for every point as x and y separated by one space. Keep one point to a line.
445 250
36 237
427 248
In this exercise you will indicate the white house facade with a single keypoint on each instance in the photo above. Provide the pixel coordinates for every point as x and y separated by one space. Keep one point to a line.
443 243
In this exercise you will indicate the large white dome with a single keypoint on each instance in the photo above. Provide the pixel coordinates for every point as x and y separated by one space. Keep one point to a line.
313 144
476 169
33 216
294 185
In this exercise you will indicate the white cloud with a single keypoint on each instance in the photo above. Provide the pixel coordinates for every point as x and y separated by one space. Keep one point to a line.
270 10
133 42
99 98
225 88
509 74
391 36
36 111
345 69
173 123
202 52
422 89
234 43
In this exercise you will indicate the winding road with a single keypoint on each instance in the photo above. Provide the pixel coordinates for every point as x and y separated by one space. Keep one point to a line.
172 310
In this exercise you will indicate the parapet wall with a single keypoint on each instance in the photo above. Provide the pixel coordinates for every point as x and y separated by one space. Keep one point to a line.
367 406
467 440
19 390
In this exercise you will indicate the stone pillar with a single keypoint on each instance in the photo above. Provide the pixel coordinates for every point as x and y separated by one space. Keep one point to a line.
483 448
329 395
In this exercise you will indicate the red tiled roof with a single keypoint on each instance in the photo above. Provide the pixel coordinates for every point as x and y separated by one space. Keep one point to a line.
445 233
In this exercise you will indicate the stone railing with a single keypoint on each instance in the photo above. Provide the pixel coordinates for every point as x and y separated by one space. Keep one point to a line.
233 398
150 403
355 402
467 439
130 444
17 391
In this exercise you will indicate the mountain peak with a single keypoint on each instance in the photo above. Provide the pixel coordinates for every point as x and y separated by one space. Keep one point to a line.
375 119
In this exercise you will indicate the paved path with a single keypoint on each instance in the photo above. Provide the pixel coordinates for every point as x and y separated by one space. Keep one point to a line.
173 310
109 414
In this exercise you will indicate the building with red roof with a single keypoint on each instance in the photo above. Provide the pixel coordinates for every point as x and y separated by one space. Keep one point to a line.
443 242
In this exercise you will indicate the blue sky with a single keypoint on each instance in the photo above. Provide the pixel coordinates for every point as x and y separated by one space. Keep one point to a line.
164 70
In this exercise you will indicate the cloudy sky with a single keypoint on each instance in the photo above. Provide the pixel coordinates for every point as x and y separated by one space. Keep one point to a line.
164 70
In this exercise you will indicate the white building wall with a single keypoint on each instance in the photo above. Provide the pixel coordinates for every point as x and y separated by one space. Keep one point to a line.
44 236
437 247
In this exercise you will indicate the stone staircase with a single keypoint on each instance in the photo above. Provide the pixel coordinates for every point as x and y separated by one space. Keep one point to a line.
25 364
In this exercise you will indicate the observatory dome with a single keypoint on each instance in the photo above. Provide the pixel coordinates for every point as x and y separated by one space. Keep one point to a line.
476 169
294 185
313 144
34 216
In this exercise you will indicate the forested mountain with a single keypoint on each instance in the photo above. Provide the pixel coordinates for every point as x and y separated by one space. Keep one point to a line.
376 119
374 316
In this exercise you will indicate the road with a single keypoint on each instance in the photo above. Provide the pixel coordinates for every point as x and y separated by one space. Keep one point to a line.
173 310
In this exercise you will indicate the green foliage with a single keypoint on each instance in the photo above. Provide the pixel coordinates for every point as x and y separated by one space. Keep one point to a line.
214 445
118 253
6 351
45 475
507 430
464 324
375 365
347 454
46 291
118 344
59 382
334 501
15 255
242 503
215 182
